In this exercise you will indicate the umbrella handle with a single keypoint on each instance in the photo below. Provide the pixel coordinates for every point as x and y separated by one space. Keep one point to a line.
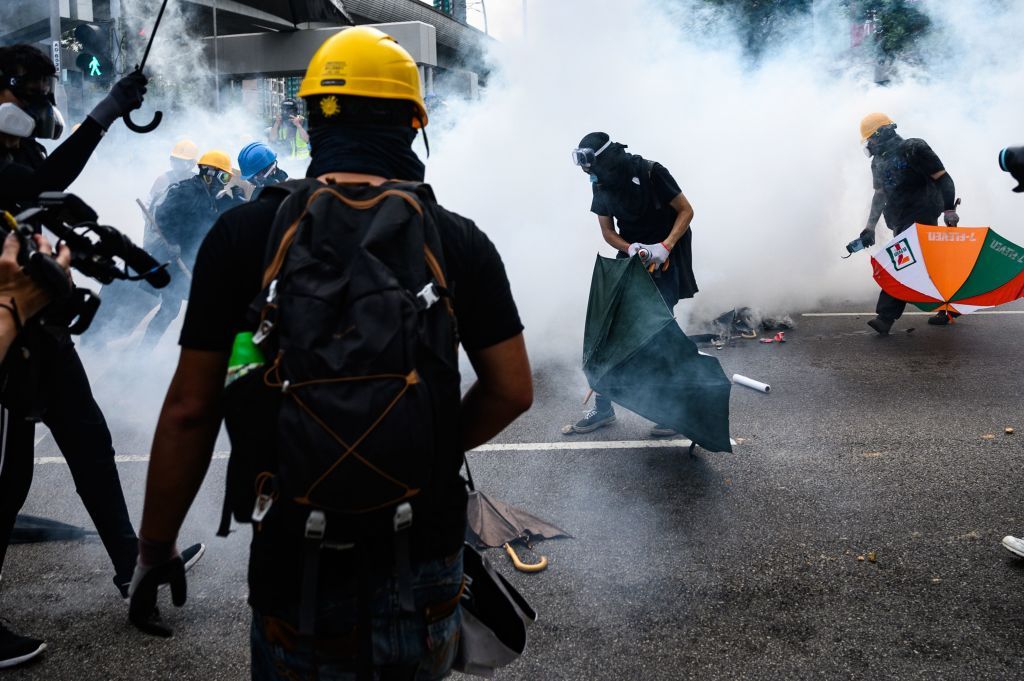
540 565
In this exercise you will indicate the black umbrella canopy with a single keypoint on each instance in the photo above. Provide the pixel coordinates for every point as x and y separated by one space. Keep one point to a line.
635 354
302 11
30 529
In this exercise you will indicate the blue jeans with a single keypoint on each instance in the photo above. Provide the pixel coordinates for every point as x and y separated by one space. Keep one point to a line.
405 643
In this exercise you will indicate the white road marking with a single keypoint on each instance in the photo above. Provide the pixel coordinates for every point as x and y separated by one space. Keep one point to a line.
497 447
119 458
600 444
918 314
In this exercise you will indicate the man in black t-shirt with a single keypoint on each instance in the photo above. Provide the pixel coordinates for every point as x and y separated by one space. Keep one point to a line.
911 186
643 200
355 140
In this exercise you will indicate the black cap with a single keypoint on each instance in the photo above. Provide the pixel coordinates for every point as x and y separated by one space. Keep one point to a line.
594 140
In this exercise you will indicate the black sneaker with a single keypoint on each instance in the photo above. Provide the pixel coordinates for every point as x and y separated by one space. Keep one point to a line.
189 556
942 318
881 325
16 649
591 421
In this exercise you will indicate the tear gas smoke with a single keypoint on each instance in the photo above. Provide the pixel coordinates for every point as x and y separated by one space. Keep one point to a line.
768 154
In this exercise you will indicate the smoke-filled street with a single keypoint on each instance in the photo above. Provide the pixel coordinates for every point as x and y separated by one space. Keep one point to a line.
854 532
701 320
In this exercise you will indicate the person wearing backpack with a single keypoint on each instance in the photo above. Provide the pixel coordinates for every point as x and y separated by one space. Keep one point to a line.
641 210
358 288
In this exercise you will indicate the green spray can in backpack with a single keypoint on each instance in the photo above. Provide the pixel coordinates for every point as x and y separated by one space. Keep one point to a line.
245 357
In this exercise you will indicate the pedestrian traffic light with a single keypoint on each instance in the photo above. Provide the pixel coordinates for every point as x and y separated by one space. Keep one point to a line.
94 58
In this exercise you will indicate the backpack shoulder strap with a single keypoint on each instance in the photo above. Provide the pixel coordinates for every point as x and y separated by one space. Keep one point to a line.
648 182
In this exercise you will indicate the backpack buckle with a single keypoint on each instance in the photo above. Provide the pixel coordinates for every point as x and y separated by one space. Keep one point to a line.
261 507
428 294
403 517
262 331
316 525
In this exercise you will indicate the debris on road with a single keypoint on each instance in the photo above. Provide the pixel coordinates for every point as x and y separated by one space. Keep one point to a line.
751 383
988 436
1008 431
872 556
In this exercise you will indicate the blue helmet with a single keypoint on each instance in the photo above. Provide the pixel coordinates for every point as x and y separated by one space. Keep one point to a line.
254 157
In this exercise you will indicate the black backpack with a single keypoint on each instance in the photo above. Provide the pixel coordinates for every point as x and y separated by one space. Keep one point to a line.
357 406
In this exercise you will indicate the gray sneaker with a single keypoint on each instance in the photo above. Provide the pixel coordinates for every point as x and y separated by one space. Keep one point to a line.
661 430
591 421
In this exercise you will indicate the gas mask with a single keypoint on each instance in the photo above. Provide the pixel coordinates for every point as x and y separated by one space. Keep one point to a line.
35 95
262 178
214 178
15 122
873 144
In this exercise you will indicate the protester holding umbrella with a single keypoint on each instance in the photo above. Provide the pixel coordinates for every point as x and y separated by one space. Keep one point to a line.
640 209
911 186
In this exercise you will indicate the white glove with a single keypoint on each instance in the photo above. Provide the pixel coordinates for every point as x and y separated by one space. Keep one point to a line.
633 248
658 254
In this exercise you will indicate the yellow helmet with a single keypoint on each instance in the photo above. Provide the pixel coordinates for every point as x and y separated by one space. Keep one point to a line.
216 159
871 123
365 62
185 150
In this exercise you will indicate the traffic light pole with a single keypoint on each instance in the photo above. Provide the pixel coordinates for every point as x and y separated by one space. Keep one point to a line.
59 94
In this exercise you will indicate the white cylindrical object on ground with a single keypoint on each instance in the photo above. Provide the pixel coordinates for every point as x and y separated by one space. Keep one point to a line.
751 383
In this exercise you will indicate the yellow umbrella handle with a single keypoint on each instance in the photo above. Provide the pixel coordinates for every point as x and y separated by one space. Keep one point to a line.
542 564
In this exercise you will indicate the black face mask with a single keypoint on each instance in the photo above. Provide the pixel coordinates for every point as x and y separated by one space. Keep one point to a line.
613 168
881 140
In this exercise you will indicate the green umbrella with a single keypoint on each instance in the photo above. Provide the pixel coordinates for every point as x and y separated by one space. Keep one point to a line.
635 354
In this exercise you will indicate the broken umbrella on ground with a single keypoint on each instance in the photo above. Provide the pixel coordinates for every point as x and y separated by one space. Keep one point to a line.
493 524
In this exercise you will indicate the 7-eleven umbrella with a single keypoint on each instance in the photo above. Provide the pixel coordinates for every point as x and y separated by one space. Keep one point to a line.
959 269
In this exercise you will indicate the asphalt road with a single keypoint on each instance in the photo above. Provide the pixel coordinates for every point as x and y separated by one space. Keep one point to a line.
723 566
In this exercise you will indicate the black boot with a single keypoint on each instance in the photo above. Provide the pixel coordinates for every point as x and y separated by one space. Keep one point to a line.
881 325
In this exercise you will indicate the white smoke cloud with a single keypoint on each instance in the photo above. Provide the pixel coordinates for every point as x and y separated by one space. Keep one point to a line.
768 155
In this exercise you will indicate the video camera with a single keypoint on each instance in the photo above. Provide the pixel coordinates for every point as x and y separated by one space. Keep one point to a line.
1011 160
95 251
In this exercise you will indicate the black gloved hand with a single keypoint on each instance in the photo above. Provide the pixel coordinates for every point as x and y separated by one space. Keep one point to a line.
126 96
142 610
951 218
867 237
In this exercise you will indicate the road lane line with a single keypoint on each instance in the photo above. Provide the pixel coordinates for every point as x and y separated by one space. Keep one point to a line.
905 314
496 447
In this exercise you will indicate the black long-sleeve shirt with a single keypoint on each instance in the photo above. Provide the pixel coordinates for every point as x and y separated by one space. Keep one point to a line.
26 173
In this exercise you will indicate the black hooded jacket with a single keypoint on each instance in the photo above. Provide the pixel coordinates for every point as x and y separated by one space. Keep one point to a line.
903 169
187 213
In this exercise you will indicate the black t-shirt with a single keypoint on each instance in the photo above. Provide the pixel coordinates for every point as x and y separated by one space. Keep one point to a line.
643 214
226 279
642 209
903 170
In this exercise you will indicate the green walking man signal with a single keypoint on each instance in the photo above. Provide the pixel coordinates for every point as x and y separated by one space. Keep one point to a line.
94 67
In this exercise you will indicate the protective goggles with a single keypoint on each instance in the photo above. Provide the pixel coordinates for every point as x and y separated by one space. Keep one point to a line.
217 174
584 157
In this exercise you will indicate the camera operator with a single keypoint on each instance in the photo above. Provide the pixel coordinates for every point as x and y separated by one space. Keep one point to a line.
27 78
68 407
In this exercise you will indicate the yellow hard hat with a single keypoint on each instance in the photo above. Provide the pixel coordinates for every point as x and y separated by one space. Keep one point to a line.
216 159
185 150
871 123
365 62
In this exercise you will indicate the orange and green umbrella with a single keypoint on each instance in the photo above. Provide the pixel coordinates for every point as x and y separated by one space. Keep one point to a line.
958 269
